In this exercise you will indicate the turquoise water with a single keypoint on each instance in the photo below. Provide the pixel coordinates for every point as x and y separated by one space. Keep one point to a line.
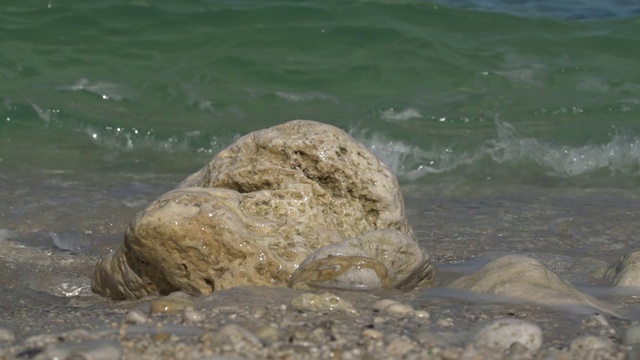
464 92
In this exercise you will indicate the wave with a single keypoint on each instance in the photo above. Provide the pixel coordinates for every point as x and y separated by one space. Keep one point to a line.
508 154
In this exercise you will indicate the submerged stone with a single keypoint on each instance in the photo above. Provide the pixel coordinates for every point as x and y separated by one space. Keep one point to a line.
258 209
526 278
376 259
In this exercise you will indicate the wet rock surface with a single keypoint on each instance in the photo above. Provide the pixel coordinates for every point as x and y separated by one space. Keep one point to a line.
259 208
625 272
526 278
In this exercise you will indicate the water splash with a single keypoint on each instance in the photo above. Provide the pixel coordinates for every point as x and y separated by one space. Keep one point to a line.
618 157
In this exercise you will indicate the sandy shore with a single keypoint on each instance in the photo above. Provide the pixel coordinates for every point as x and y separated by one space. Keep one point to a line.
48 311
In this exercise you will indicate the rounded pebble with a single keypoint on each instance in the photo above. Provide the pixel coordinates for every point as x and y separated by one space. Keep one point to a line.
232 337
267 332
399 346
371 333
422 314
7 335
398 309
588 344
501 334
136 316
192 316
170 304
382 304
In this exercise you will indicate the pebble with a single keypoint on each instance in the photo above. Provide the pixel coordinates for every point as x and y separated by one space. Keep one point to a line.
172 303
422 314
382 304
632 335
399 310
448 322
501 334
7 335
322 303
399 346
136 316
585 346
267 333
373 334
595 320
192 316
88 350
231 337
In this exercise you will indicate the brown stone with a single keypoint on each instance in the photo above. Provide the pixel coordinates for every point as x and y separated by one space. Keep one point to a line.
254 213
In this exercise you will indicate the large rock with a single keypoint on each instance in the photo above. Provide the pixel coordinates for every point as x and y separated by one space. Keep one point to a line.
255 212
523 277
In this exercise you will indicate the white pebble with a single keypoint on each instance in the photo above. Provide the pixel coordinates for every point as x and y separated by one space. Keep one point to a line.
399 346
422 314
192 316
501 334
382 304
586 344
136 316
400 310
445 322
7 335
371 333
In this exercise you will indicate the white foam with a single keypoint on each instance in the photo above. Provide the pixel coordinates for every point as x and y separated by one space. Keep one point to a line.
106 90
621 155
395 115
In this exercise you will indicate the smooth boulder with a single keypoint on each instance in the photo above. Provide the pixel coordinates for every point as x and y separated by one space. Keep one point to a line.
255 212
523 277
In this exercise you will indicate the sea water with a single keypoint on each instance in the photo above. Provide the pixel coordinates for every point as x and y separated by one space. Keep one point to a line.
512 126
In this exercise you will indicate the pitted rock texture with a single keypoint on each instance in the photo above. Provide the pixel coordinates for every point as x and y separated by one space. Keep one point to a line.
255 212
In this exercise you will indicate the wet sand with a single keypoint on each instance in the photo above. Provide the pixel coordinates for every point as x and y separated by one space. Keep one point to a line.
54 229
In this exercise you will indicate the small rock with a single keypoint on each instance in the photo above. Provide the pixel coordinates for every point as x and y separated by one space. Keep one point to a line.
422 314
136 316
625 271
432 339
376 259
87 350
528 279
632 335
192 316
371 333
587 346
382 304
7 335
501 334
399 346
267 333
172 303
448 322
399 310
232 337
321 302
595 320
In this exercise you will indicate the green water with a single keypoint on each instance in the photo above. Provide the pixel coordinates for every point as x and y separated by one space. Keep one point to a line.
482 93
